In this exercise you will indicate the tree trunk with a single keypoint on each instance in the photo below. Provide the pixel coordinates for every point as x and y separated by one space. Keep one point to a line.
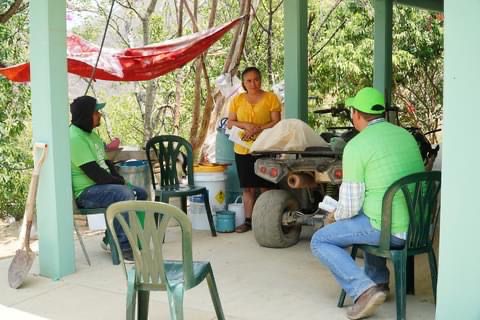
180 76
232 61
230 66
151 89
199 128
269 41
12 10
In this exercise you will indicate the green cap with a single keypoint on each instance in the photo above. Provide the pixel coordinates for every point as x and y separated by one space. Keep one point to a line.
368 100
99 106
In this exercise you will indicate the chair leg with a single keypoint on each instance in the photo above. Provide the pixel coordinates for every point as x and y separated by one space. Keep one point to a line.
341 299
183 202
212 286
175 299
206 200
411 275
399 259
81 242
111 243
433 273
143 298
131 295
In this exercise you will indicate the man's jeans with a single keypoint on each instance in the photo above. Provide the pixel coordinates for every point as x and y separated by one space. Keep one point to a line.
103 195
328 245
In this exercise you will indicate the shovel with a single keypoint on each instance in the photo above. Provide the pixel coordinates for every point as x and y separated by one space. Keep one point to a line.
24 257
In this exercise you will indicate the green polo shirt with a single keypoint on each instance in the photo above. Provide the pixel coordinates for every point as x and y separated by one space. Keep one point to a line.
84 147
378 156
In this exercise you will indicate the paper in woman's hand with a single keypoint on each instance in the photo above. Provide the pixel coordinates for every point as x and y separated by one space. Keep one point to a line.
236 135
328 204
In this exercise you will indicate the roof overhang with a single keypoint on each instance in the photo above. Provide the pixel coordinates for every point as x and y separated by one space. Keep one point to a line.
432 5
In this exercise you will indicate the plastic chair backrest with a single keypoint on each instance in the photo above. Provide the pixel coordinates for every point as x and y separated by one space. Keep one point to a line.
421 193
167 149
147 240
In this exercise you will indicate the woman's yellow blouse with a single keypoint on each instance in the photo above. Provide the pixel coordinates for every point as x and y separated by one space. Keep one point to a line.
258 113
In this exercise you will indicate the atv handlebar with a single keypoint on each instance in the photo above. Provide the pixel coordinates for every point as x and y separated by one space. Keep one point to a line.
341 108
335 111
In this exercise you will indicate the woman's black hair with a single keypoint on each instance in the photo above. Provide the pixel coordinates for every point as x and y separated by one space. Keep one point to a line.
250 69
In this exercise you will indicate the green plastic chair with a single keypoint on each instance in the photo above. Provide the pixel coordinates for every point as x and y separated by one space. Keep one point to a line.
421 192
86 212
167 150
150 271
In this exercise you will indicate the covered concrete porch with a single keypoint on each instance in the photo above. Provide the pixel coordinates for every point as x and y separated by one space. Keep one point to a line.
255 283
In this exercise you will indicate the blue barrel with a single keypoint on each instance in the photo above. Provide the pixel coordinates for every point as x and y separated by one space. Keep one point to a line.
224 154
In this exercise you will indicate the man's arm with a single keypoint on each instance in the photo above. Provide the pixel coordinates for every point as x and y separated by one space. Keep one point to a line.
100 175
113 169
350 200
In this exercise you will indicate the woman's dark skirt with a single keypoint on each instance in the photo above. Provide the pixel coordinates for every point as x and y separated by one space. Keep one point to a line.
246 173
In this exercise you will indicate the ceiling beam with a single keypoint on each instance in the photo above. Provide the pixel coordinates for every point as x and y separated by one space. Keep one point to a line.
432 5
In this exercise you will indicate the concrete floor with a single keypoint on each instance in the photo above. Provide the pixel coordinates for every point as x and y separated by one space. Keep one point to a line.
254 283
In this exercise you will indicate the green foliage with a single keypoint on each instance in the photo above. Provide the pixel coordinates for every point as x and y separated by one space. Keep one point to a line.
14 122
418 68
157 29
340 68
257 48
119 109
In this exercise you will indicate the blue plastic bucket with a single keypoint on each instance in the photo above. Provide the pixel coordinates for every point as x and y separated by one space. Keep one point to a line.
225 221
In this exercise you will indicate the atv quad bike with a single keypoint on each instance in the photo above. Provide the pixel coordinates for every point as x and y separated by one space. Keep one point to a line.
304 178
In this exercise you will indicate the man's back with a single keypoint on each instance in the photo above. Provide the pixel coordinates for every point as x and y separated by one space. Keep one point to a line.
381 154
84 148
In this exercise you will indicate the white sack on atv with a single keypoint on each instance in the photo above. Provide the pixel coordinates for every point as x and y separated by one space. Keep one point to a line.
288 135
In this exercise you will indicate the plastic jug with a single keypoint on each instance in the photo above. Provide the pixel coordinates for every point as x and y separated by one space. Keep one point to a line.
237 207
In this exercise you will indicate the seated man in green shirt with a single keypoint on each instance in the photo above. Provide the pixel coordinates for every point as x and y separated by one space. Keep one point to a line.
375 158
96 182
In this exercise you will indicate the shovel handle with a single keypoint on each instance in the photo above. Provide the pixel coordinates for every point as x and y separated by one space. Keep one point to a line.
32 190
39 163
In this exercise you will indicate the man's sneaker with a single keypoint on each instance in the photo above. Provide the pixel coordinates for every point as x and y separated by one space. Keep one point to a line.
105 247
366 304
128 257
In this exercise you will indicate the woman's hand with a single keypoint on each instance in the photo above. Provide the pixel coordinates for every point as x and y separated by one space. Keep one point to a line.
251 127
251 131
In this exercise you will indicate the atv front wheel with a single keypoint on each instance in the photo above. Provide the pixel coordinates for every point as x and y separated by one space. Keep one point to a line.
268 212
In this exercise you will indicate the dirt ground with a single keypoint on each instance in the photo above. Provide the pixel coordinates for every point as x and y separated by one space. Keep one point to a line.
8 238
9 233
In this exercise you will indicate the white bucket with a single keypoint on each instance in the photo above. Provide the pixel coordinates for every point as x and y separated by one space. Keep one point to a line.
215 184
237 207
96 222
198 214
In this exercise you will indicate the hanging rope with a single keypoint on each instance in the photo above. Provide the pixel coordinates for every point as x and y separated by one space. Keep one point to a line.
101 47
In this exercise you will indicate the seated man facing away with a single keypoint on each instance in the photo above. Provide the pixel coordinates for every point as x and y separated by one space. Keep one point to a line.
378 156
96 182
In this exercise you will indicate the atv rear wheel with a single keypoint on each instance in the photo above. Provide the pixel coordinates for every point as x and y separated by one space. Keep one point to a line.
267 219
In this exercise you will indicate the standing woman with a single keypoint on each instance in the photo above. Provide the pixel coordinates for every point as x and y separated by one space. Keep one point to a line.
253 111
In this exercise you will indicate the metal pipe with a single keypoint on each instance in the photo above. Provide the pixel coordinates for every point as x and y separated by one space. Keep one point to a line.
300 181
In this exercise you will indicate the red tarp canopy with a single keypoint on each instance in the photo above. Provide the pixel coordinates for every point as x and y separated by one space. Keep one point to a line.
133 64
